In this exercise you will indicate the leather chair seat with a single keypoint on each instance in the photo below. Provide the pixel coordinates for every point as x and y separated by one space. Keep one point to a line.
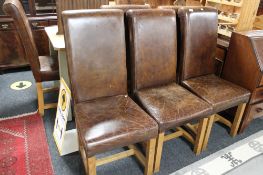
220 93
112 122
48 68
171 105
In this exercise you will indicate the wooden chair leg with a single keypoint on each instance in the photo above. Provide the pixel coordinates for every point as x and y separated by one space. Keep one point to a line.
158 154
150 153
237 119
91 166
40 98
208 131
199 139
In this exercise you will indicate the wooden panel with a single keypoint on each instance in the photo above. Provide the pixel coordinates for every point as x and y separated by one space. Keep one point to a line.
219 67
221 53
257 95
6 26
41 40
12 52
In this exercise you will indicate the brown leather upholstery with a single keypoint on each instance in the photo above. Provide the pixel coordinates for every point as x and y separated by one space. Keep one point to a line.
85 62
154 47
138 2
220 93
125 7
153 54
48 68
106 117
171 105
111 122
198 46
198 29
42 72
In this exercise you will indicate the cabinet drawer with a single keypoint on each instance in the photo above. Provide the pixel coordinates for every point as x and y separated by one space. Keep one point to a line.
52 22
257 110
257 95
39 24
6 26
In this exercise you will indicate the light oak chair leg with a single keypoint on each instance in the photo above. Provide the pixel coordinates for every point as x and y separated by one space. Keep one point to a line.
91 166
150 153
199 139
208 131
40 98
158 154
237 119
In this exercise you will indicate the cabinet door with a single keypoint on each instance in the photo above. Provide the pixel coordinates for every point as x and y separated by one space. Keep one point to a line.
12 52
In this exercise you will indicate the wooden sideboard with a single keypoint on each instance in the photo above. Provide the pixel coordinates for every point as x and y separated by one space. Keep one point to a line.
244 67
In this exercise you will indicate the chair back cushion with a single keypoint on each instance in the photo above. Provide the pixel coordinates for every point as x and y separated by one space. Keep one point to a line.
15 9
125 7
95 46
198 40
140 2
152 47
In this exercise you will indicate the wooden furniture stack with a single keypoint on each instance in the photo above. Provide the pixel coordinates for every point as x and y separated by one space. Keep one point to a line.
244 66
40 15
234 15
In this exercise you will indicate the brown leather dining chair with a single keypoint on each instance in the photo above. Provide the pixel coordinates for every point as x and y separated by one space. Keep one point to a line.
106 117
198 40
44 68
153 67
125 8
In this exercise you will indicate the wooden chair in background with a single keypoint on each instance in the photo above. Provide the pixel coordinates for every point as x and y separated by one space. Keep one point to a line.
44 68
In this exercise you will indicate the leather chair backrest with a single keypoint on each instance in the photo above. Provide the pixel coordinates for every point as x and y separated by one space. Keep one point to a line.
152 46
125 7
138 2
197 41
15 9
95 47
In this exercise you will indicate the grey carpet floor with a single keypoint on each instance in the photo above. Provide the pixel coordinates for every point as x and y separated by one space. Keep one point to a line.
177 153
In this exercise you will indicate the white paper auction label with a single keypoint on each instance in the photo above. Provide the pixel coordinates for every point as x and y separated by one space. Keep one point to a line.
62 114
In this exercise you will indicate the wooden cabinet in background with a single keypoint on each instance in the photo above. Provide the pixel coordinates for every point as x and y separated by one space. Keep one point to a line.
12 53
41 13
244 67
